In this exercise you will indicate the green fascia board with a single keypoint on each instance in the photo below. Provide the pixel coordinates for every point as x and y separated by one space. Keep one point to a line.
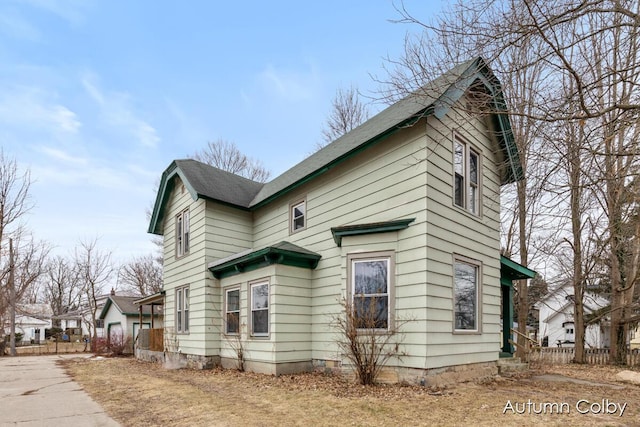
265 257
104 310
511 270
506 140
165 187
373 141
371 228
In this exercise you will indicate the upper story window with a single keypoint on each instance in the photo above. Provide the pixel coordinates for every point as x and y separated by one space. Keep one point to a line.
182 233
466 293
297 216
467 172
371 284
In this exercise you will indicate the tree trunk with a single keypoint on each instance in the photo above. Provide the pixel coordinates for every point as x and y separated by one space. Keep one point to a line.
12 300
523 291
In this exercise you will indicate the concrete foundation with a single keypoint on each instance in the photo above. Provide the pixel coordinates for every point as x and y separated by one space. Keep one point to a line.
437 377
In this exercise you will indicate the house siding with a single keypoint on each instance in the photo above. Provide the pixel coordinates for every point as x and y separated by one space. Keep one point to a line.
390 182
406 175
452 230
289 338
188 270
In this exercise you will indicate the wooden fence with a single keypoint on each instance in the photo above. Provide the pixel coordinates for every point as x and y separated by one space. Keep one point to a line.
593 356
49 347
151 339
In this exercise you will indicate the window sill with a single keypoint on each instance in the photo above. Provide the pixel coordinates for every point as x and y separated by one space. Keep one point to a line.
466 332
467 212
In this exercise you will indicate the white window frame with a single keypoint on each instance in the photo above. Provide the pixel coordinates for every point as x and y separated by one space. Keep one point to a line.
228 312
254 308
182 233
467 188
388 258
477 300
293 215
182 310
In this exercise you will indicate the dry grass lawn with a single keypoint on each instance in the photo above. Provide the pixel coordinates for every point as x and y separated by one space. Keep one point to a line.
145 394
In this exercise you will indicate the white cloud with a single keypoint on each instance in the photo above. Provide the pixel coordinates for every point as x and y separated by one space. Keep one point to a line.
117 111
34 108
60 155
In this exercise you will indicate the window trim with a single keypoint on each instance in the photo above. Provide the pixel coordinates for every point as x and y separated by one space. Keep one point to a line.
478 297
227 311
467 185
389 256
251 310
183 233
182 309
297 202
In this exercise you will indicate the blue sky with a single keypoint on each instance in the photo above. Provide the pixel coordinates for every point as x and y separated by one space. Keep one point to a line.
98 97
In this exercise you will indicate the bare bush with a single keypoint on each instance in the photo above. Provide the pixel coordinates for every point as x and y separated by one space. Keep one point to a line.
367 338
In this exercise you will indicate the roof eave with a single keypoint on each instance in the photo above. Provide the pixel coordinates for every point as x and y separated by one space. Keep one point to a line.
365 145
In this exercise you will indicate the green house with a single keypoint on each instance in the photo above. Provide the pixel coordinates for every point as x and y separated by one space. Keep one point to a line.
403 211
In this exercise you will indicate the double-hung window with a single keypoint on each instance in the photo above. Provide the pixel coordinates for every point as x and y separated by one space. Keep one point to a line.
182 233
182 310
260 309
232 311
466 293
370 290
467 171
297 219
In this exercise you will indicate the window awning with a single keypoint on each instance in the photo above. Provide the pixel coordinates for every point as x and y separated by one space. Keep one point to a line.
370 228
284 253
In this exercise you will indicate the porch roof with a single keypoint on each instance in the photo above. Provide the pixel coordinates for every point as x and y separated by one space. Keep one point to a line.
511 270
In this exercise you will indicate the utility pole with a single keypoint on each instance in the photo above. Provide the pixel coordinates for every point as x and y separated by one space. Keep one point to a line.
12 301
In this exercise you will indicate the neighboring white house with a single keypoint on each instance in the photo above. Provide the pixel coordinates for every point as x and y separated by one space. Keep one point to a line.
121 318
31 322
556 325
403 213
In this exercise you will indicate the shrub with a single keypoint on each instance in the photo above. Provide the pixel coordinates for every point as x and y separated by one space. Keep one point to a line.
52 332
116 345
366 341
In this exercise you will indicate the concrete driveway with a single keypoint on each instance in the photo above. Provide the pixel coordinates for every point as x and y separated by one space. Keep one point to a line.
35 391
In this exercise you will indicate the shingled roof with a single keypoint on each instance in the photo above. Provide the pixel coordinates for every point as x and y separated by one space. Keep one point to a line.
436 97
125 305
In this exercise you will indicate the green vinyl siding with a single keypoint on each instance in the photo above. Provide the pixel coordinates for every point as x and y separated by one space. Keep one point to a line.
408 175
453 230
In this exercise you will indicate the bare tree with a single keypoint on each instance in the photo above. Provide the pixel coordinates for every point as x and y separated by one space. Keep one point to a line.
24 266
142 275
63 287
225 155
14 203
94 269
348 112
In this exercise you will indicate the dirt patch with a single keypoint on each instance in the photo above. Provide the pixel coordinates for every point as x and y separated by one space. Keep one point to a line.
145 394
